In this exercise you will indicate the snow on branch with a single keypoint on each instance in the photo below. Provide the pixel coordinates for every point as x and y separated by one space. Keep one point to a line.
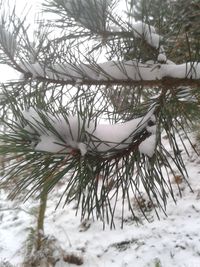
112 71
138 30
66 133
116 71
143 30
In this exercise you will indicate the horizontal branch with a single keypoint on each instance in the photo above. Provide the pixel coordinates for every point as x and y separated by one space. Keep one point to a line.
61 134
165 82
129 73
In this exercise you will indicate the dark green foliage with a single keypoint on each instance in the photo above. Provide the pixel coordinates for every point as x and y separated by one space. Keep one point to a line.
178 23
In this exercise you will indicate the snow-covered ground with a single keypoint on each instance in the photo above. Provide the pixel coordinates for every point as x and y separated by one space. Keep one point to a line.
171 241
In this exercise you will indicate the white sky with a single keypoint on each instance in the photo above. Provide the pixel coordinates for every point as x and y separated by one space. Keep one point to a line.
7 73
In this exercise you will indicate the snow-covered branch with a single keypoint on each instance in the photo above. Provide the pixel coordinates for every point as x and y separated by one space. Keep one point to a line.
64 133
139 30
115 72
131 71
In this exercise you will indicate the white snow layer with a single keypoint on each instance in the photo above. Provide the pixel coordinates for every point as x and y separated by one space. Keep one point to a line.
117 70
57 134
147 147
162 57
120 135
141 29
63 134
114 70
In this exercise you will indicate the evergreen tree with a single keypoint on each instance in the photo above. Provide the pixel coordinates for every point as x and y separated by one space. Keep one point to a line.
178 23
97 125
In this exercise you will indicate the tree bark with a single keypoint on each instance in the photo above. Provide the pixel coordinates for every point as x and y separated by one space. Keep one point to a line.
41 217
167 82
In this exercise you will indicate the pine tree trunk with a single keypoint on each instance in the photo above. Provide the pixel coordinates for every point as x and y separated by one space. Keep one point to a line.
41 217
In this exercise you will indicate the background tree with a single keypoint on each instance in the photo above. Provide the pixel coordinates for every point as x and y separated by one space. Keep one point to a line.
64 120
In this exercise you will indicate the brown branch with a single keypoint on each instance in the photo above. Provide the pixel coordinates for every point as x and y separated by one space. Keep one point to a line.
166 82
118 154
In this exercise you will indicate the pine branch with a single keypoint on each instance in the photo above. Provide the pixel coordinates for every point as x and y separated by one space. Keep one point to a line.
166 82
97 179
130 72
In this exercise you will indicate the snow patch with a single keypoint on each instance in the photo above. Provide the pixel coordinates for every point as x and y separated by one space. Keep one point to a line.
162 58
142 29
182 71
62 134
147 147
115 70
